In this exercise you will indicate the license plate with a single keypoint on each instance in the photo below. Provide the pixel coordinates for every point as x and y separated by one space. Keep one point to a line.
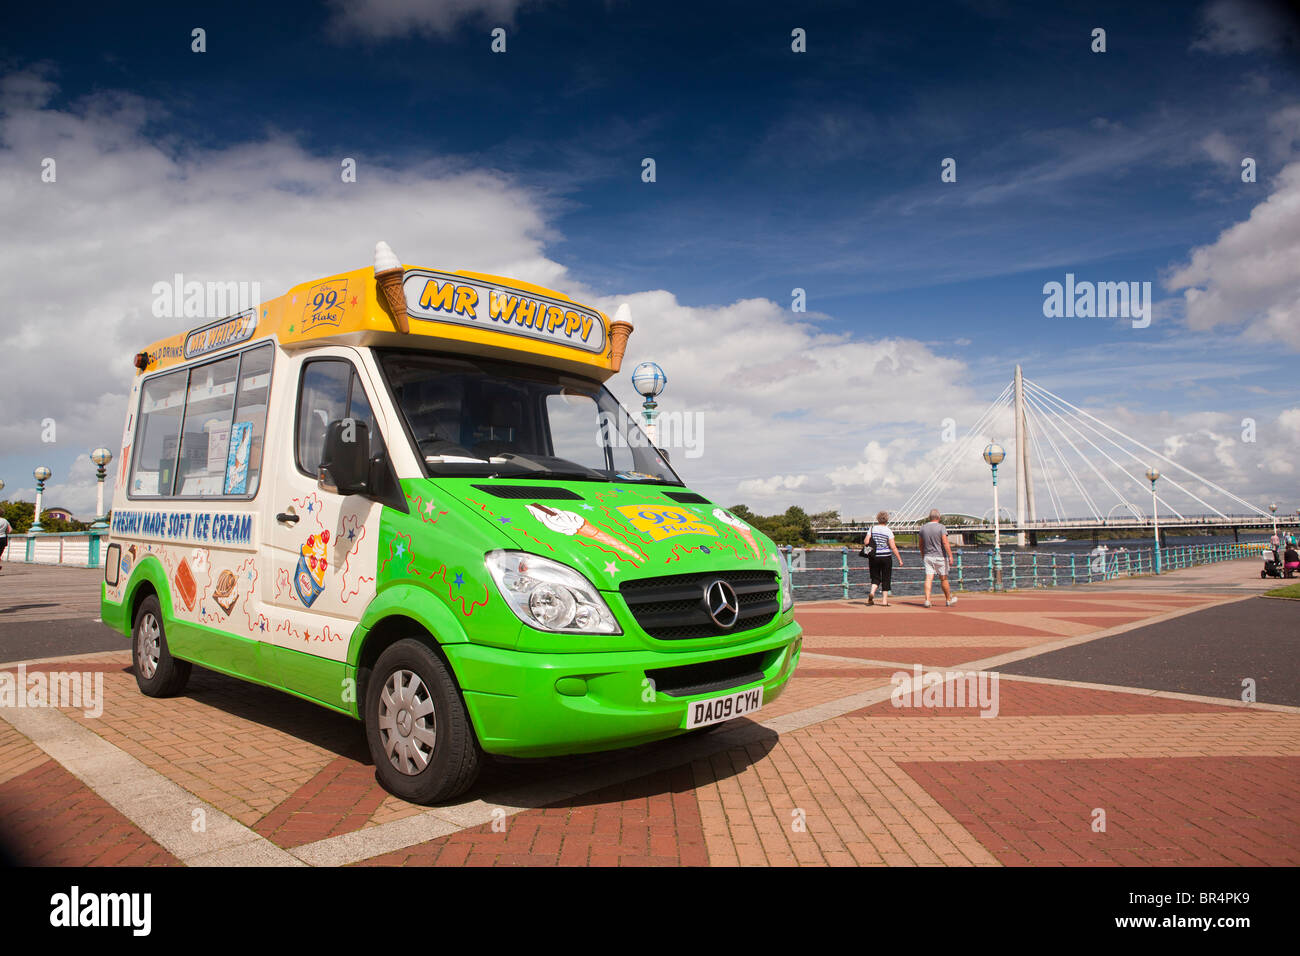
717 709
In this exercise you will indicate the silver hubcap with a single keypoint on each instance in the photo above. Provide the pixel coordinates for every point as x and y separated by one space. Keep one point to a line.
149 646
407 722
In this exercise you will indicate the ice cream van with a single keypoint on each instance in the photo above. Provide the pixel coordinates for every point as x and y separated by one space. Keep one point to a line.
405 494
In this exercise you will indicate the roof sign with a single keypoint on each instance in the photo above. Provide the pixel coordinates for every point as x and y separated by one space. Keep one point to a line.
439 297
220 334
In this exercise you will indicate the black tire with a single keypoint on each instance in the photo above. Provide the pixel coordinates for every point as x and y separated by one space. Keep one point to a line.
412 768
169 674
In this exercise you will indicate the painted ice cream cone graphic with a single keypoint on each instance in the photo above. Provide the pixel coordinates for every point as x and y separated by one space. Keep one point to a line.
389 275
741 527
224 594
571 523
619 330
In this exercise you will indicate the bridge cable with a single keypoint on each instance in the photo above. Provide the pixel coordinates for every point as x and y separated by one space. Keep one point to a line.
1047 435
938 479
1139 481
1164 458
1101 451
946 466
1087 498
1033 426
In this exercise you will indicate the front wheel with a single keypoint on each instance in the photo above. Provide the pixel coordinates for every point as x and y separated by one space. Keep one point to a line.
419 732
157 673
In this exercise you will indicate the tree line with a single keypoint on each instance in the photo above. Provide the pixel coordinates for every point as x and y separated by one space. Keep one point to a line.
20 514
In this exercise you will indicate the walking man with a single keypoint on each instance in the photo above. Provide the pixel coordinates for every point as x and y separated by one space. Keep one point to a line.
5 528
936 555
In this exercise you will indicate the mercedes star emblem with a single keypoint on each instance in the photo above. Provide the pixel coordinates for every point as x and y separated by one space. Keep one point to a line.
722 604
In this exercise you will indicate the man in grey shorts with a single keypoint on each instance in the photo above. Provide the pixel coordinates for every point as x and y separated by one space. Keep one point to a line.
936 555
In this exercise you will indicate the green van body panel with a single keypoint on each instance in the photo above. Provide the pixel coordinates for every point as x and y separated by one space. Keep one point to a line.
529 693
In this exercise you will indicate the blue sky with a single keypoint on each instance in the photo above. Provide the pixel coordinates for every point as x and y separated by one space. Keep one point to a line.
775 170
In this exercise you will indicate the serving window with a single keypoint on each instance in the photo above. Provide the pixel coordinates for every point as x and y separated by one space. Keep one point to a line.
201 429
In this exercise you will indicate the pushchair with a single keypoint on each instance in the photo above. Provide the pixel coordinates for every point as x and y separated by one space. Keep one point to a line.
1272 565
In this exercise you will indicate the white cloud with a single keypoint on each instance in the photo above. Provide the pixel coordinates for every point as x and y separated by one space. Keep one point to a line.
778 391
1248 277
388 19
1245 26
1220 149
79 256
795 411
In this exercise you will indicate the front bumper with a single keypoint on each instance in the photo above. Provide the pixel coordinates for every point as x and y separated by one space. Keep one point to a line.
537 705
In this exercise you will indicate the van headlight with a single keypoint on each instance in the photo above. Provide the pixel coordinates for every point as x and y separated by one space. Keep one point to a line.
787 582
548 595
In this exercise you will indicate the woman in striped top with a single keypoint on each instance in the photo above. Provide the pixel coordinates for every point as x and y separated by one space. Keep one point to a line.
881 552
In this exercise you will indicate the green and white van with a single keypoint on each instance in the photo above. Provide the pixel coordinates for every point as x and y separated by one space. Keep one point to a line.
406 495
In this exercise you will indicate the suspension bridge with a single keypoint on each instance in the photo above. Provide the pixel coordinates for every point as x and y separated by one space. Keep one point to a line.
1090 475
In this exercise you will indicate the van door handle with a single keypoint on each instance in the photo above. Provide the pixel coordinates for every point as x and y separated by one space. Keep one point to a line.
287 517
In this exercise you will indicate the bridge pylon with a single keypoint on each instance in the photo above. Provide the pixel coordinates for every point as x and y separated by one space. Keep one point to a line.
1024 474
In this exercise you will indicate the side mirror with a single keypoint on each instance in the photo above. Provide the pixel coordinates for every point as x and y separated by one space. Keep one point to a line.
345 460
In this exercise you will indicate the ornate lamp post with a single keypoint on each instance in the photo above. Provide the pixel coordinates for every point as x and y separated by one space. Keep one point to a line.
993 454
1273 508
101 457
42 475
649 380
1152 475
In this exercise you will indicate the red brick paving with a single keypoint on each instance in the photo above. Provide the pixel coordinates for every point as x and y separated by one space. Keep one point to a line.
50 818
1028 699
937 622
936 656
1037 808
339 799
1184 811
89 667
1029 603
650 821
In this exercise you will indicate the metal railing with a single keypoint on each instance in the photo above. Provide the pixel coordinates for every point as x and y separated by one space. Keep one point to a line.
1011 526
826 574
78 549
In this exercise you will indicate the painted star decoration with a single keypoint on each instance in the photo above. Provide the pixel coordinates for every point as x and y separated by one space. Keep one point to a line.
610 568
428 509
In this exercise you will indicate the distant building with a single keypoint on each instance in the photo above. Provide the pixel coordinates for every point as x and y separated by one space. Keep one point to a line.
62 514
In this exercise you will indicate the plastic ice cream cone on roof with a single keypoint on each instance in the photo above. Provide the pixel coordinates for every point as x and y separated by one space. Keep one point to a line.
619 330
389 274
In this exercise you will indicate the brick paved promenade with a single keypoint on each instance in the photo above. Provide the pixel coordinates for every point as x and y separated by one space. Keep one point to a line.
831 773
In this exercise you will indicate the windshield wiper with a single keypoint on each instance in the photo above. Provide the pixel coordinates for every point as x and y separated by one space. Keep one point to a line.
558 473
548 467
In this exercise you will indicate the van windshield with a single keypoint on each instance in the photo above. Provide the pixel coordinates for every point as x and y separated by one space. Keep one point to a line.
479 418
